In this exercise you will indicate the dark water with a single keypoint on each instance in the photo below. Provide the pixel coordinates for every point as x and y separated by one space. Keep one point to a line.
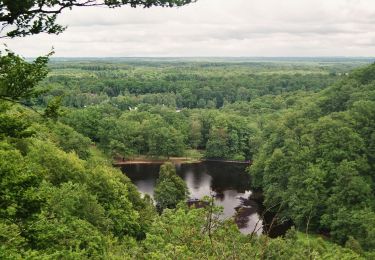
228 181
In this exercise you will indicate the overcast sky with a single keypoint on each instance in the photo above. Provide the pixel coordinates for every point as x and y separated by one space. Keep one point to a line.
214 28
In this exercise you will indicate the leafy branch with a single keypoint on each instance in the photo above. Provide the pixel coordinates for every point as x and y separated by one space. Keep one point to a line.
24 18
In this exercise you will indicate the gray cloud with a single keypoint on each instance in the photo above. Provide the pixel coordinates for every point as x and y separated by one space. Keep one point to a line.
215 28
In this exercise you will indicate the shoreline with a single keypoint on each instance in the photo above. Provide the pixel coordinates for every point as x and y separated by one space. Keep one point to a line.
175 160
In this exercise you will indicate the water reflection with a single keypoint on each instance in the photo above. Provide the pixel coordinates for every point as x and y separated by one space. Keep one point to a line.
230 182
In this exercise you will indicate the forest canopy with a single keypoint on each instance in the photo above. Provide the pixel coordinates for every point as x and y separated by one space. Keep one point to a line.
307 128
61 197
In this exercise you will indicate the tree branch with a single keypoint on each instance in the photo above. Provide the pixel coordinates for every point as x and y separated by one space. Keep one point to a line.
20 103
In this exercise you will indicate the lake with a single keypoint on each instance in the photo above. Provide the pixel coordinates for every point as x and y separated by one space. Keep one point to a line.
228 181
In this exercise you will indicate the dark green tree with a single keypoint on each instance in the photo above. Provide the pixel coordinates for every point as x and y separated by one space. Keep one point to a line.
19 78
217 145
52 110
170 188
317 162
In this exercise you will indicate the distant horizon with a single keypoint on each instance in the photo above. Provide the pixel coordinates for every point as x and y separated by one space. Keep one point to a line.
209 57
213 28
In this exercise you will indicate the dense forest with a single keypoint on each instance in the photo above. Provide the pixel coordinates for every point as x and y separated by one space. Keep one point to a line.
129 108
307 126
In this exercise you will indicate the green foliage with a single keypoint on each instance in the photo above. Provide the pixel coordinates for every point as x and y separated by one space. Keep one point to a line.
170 189
312 153
18 184
137 107
70 218
183 83
13 123
61 167
11 243
53 203
52 109
318 162
69 140
217 143
181 234
19 78
354 245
